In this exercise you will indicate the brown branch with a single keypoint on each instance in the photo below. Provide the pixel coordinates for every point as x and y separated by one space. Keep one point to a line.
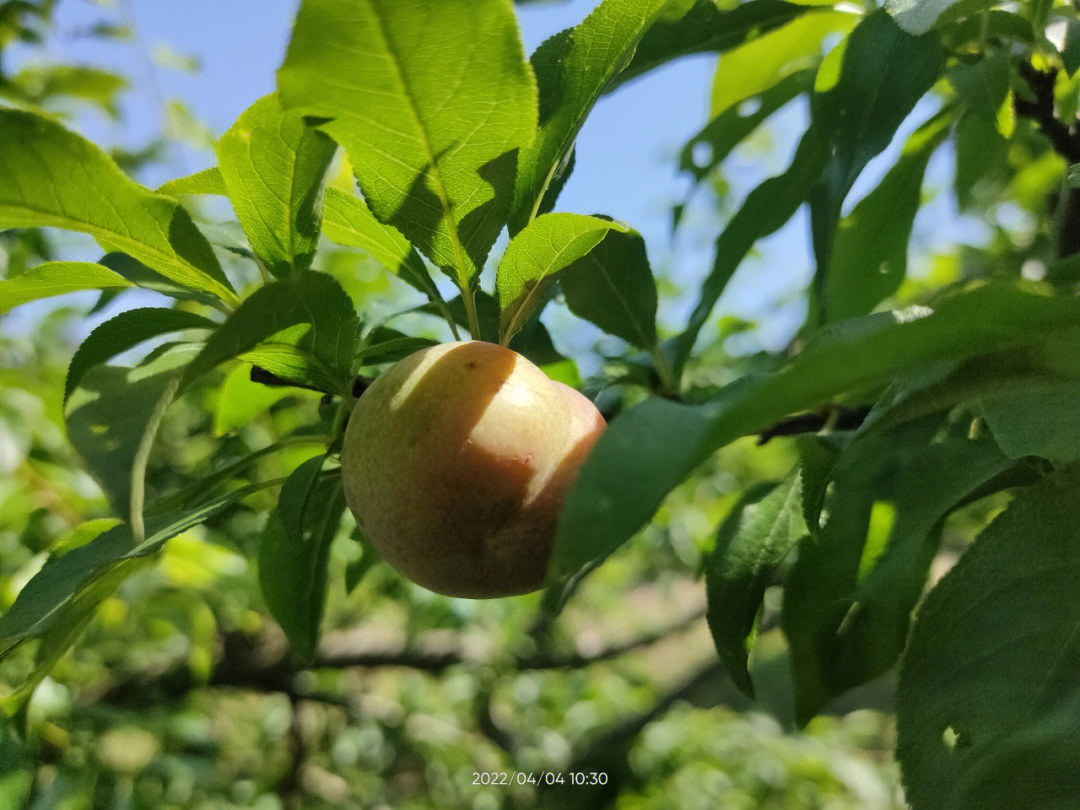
832 417
1064 137
264 664
263 377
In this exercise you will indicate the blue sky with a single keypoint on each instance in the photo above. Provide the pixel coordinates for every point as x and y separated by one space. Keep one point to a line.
627 151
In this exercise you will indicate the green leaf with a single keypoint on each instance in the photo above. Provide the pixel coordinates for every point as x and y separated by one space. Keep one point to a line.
1035 768
573 68
349 222
295 552
358 568
72 619
125 331
108 413
647 450
1070 51
314 302
142 276
290 363
550 244
992 650
864 89
207 182
57 278
273 167
753 68
293 502
856 579
982 86
920 16
1038 419
558 182
730 128
868 85
980 149
432 102
613 287
869 256
16 769
240 400
764 211
96 198
684 27
751 545
388 346
39 604
42 84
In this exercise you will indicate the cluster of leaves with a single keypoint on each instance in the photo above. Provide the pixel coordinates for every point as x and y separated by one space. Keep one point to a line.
969 387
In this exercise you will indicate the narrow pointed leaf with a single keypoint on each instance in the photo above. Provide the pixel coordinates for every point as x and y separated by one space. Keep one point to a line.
125 331
273 166
869 257
685 27
348 221
768 59
207 182
549 245
108 413
727 130
766 209
751 544
573 68
295 552
96 198
318 313
38 605
57 278
857 577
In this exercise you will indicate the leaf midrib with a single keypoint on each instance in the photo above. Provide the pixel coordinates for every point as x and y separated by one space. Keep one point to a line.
48 218
435 172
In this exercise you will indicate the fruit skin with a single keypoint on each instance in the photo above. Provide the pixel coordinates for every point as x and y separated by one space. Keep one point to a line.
456 463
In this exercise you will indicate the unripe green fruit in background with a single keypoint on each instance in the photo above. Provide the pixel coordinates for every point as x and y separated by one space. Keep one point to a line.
456 463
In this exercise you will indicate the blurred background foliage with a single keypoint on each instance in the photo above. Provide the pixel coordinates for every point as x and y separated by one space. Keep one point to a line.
181 693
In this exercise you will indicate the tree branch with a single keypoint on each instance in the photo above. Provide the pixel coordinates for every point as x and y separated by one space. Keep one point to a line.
1064 137
831 417
264 664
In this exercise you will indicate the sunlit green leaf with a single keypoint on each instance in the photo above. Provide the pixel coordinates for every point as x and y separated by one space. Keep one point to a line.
349 222
535 256
434 141
208 182
96 198
57 278
273 165
753 68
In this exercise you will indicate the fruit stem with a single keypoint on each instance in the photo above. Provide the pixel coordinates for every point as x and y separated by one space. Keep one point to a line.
470 310
663 370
